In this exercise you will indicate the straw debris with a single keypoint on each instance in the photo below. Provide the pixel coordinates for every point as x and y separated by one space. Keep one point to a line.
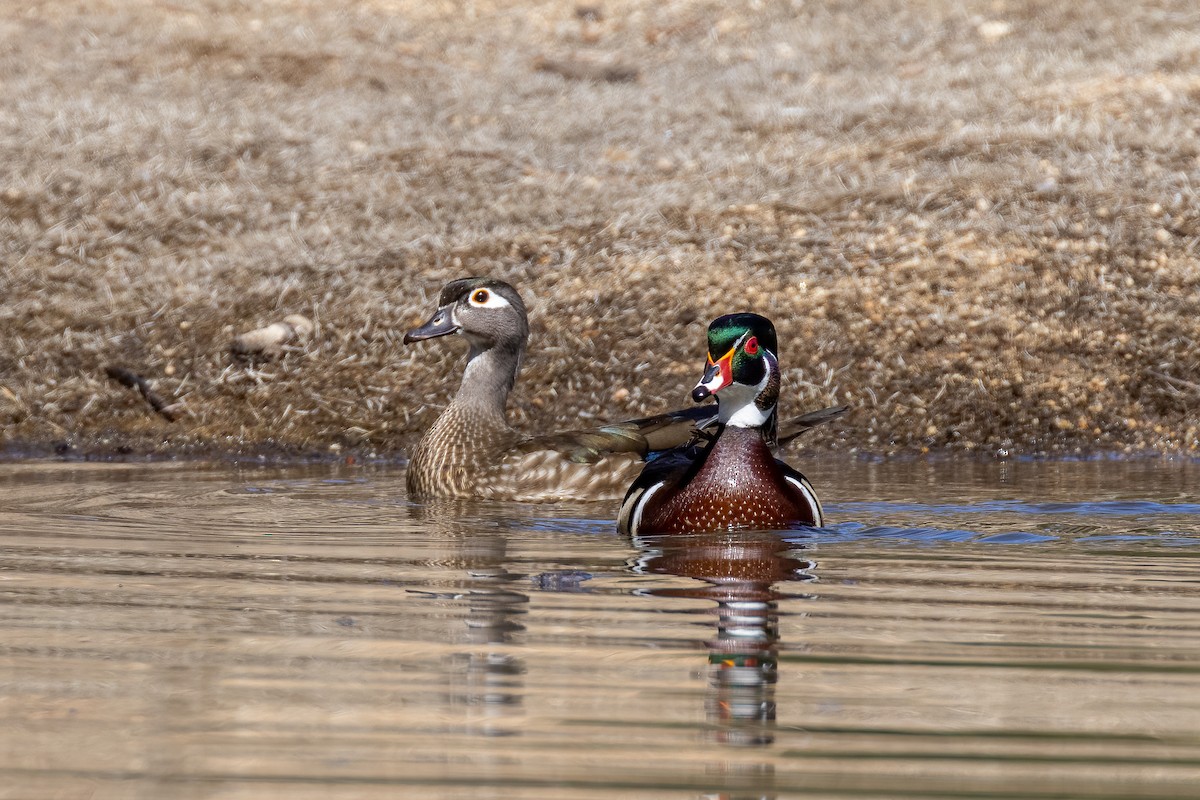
976 224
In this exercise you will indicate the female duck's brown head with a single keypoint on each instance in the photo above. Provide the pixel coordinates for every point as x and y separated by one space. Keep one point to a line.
491 316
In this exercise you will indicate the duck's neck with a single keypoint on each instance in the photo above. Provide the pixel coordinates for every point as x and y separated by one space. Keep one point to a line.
742 414
734 437
487 380
752 407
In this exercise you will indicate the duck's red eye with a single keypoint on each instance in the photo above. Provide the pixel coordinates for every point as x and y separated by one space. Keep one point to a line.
751 346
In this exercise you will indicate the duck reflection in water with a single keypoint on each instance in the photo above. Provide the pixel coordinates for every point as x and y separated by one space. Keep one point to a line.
738 571
485 676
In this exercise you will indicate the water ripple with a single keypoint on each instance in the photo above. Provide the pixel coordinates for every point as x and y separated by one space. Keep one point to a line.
176 632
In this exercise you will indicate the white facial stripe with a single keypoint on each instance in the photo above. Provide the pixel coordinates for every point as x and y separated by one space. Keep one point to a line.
772 361
491 300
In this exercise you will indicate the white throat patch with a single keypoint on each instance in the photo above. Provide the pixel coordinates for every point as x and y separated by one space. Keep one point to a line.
735 404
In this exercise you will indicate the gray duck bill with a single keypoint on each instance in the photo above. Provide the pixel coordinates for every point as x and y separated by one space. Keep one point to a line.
440 324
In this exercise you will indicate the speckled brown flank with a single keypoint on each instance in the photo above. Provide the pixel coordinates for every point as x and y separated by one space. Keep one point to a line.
473 455
984 243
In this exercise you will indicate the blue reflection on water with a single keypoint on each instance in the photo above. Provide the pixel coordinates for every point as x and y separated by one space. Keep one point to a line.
1169 526
1125 507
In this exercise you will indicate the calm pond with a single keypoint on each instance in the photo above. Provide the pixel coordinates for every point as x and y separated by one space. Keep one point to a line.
961 629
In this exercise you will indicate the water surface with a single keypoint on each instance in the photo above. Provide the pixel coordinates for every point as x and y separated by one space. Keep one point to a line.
1020 630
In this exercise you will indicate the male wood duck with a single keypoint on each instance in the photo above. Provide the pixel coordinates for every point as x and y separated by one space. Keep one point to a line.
733 480
471 451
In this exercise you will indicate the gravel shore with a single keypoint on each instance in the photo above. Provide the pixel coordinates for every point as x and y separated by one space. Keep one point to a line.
976 223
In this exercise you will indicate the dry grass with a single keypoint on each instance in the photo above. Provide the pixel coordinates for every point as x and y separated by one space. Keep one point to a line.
976 222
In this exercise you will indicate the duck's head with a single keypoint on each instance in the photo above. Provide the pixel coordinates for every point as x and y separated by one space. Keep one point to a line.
487 312
743 369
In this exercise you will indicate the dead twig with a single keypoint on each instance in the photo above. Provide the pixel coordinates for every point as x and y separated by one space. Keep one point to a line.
583 71
1176 383
127 377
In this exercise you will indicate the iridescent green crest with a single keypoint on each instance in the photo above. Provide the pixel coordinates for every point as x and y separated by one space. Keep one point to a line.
726 332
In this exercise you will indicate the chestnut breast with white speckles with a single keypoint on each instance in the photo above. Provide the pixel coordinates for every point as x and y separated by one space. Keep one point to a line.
739 485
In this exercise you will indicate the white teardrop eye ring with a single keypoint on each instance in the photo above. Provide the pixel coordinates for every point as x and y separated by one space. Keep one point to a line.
482 298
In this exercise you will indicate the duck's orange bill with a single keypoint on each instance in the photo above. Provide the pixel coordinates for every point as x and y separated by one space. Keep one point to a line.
718 374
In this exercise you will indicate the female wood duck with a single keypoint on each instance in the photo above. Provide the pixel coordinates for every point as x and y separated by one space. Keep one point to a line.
471 451
733 480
